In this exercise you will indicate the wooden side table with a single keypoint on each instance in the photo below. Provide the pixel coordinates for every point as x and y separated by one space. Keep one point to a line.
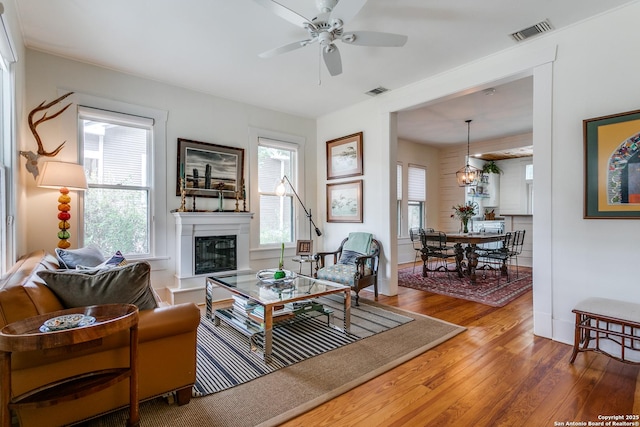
25 335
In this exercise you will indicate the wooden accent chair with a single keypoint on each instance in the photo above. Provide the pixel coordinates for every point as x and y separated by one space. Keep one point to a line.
355 263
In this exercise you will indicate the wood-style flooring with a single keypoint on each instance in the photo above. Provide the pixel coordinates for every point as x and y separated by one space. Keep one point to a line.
497 373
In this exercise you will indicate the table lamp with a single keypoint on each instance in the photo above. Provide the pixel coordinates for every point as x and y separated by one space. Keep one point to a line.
63 176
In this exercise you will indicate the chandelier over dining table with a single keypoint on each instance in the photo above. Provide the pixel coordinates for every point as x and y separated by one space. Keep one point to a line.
468 174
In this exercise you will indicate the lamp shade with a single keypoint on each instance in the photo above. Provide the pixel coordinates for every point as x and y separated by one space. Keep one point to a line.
62 174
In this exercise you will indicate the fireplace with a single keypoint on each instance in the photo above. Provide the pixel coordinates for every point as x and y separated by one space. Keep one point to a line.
209 243
213 254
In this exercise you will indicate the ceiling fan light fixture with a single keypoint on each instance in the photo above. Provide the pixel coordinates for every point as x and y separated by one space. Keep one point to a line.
468 174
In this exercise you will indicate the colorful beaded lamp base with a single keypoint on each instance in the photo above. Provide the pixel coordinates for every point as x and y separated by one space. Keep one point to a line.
64 216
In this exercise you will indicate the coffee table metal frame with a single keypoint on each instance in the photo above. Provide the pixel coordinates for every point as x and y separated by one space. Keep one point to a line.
248 286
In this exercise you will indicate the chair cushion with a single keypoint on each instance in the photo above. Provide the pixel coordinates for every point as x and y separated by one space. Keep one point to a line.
129 284
341 273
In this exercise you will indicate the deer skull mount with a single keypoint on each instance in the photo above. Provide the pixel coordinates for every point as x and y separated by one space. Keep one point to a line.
32 158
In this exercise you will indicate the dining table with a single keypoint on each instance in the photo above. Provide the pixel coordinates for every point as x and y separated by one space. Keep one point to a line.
466 252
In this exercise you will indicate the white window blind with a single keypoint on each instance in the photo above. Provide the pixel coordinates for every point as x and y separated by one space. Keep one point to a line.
416 185
399 182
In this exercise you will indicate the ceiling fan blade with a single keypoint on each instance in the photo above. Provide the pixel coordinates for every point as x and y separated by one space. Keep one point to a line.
284 12
332 59
345 10
373 38
286 48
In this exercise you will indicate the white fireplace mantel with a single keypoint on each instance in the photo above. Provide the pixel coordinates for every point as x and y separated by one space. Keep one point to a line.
190 225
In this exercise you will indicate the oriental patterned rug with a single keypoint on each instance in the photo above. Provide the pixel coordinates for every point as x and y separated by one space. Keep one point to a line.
492 289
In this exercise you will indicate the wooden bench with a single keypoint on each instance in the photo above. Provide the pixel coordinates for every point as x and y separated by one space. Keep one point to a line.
603 320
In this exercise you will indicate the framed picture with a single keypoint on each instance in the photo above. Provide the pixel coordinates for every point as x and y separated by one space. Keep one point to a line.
304 247
206 169
612 166
344 202
344 156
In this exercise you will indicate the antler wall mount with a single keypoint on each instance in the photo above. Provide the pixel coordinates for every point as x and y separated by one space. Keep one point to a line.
32 158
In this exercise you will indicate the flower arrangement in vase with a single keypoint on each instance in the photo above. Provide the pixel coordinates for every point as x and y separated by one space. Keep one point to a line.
464 213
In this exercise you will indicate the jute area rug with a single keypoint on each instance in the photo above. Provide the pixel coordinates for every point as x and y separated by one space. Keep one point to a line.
492 289
281 395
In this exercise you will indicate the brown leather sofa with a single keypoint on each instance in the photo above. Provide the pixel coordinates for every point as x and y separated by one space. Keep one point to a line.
167 350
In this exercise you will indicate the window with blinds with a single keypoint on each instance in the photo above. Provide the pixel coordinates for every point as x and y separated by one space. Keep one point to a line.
416 196
275 160
117 158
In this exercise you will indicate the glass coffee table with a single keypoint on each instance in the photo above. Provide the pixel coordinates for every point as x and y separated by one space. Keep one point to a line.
258 307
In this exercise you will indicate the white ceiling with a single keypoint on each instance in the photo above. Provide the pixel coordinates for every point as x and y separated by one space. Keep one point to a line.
212 46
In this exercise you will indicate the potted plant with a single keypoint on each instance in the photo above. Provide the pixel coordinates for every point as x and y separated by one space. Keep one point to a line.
491 167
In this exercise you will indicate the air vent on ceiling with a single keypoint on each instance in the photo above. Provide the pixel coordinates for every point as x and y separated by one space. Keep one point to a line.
376 91
534 30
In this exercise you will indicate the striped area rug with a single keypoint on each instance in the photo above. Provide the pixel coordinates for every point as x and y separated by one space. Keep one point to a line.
225 360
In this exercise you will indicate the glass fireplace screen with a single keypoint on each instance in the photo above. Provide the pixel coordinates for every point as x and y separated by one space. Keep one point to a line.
214 254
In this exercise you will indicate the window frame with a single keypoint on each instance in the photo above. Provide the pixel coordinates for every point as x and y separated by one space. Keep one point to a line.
283 145
158 247
287 140
125 120
422 203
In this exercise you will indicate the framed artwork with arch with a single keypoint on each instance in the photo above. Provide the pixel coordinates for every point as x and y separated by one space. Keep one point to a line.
612 166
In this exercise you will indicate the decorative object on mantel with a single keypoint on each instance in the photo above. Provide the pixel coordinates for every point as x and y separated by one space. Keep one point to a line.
464 213
468 174
182 207
63 176
220 188
209 169
32 158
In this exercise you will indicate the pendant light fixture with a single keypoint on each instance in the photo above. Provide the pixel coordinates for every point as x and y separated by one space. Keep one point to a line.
468 174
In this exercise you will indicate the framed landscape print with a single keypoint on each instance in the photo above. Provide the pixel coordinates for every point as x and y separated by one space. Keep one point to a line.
206 169
344 156
612 166
344 202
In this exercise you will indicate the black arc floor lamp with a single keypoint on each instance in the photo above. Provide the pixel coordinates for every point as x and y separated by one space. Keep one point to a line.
280 191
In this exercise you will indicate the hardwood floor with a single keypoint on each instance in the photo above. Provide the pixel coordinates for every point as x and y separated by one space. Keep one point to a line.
497 373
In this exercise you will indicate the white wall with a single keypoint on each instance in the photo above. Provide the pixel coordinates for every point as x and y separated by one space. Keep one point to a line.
587 70
191 115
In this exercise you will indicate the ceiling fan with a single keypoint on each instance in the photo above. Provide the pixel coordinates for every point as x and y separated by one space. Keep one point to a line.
327 27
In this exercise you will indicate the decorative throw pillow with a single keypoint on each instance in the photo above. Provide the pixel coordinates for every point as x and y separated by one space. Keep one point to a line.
89 256
117 260
348 257
129 284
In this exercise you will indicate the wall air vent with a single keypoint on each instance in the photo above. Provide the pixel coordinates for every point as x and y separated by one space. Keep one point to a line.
534 30
376 91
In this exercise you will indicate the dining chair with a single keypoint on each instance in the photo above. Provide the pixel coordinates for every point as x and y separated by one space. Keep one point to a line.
515 249
496 258
434 245
415 233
